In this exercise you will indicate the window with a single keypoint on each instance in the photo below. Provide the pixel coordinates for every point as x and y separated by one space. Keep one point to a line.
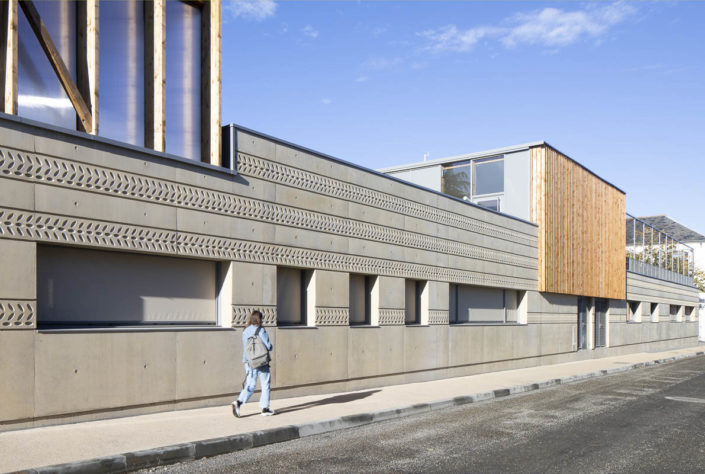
654 312
412 297
293 302
40 95
584 307
474 304
361 287
673 312
80 287
122 71
488 176
480 181
689 313
634 311
601 308
183 80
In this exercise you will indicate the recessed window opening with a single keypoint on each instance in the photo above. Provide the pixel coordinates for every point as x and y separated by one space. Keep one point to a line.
360 290
293 285
474 304
601 308
673 312
412 297
654 312
89 288
689 312
634 311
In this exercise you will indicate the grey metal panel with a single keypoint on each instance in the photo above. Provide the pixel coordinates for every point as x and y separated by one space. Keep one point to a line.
517 181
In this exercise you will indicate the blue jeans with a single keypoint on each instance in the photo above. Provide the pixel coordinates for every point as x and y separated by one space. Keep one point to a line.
251 383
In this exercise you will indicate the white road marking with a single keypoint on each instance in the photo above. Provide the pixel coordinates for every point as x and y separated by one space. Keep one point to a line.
686 399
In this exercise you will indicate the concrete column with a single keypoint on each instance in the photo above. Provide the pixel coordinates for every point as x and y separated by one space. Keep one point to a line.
18 284
254 287
331 297
437 302
391 301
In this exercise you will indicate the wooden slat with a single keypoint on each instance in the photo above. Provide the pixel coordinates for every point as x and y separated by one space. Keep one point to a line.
87 57
155 74
8 55
210 82
581 228
62 72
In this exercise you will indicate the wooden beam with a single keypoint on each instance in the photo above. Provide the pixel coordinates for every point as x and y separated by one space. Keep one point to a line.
155 74
62 72
210 82
87 57
8 55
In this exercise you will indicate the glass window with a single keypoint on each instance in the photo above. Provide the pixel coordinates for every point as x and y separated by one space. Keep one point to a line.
40 94
456 179
489 203
183 80
122 71
488 176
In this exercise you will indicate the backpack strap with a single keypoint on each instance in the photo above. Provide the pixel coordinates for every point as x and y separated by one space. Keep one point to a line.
259 328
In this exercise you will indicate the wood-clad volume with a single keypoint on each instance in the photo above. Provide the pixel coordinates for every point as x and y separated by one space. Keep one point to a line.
581 228
155 74
210 82
8 55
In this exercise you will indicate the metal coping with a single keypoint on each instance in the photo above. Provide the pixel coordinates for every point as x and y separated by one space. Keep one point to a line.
369 170
114 143
493 152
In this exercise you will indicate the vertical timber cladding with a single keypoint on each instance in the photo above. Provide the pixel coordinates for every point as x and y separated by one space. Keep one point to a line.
581 228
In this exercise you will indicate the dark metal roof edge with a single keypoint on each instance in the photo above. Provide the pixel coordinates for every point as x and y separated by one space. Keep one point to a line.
114 143
367 170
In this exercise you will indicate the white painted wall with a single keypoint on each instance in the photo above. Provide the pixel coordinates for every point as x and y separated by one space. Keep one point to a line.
428 177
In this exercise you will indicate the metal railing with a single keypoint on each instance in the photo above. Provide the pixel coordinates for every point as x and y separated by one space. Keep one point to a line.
653 252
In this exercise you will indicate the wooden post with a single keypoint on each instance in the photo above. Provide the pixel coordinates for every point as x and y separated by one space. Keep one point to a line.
210 82
8 55
155 74
87 57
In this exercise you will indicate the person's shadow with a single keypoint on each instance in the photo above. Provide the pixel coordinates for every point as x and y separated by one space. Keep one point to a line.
348 397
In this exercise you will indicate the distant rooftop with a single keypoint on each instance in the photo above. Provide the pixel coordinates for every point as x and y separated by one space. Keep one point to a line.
674 229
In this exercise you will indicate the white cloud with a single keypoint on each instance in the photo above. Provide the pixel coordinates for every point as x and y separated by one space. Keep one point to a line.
309 31
449 38
256 10
326 101
362 79
550 27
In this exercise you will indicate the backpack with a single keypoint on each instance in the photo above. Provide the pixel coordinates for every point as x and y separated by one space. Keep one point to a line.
256 352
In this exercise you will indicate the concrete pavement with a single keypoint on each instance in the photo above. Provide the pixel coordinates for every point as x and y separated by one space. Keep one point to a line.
163 438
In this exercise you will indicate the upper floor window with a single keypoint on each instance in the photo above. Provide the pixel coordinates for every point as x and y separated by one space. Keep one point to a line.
480 180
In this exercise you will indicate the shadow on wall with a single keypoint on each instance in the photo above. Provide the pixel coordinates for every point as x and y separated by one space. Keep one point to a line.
348 397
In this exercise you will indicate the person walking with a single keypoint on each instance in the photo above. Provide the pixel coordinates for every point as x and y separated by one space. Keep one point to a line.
255 336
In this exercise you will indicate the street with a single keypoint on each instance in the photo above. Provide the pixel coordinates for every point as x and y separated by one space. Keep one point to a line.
649 420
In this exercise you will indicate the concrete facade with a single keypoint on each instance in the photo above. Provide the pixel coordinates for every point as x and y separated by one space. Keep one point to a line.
287 207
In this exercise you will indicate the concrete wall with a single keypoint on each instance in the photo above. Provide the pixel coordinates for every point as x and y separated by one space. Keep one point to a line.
287 208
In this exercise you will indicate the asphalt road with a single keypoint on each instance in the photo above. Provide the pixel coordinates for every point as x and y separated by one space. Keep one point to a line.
649 420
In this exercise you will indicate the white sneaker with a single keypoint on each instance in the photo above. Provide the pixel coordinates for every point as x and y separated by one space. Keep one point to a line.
236 408
268 412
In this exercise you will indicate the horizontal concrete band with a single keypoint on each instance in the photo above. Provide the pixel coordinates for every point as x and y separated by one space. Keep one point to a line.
217 446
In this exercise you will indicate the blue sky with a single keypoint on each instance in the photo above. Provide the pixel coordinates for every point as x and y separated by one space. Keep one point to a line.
619 87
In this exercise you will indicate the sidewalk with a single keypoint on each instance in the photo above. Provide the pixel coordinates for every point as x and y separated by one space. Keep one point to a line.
163 438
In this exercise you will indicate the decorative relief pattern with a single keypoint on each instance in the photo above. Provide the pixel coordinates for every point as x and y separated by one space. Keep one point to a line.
437 316
260 168
332 316
242 312
69 230
391 317
94 178
18 314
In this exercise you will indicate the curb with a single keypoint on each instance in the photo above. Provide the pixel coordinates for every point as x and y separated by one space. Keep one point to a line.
214 447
